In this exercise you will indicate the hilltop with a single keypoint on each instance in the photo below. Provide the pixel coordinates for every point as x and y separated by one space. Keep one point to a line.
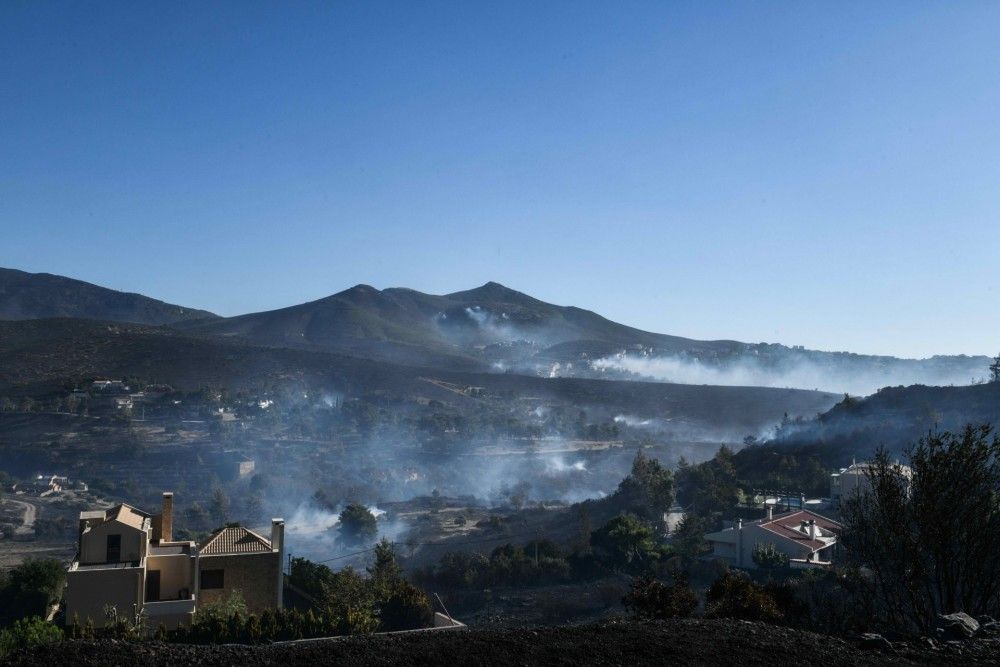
41 356
27 296
490 328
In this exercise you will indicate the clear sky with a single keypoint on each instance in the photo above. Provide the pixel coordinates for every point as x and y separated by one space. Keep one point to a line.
815 173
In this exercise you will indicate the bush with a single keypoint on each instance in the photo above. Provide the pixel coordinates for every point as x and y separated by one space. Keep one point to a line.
27 633
407 608
357 524
650 598
767 556
735 596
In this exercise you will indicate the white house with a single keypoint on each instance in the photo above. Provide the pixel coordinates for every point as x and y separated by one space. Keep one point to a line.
854 481
807 538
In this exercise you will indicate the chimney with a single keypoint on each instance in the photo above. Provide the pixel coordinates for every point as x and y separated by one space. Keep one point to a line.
278 544
167 517
277 534
770 512
812 529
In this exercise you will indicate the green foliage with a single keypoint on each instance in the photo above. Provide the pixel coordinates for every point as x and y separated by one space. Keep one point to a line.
933 543
649 488
735 596
650 598
222 609
349 603
625 544
357 524
689 537
30 588
711 487
406 608
27 633
767 556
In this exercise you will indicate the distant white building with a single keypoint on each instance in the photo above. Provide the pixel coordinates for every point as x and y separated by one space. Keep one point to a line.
807 538
854 481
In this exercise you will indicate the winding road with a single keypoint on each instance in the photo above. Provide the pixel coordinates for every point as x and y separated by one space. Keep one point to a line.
27 526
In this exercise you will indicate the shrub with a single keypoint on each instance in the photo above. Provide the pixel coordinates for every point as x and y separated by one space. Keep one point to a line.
767 556
27 633
735 596
407 608
650 598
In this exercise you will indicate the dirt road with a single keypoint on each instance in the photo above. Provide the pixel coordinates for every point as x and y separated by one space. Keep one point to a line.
29 513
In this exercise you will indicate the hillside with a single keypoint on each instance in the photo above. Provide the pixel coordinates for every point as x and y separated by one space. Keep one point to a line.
488 324
499 329
26 296
894 417
680 642
490 328
40 356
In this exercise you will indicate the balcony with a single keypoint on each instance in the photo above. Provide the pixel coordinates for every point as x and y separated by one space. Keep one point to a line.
170 607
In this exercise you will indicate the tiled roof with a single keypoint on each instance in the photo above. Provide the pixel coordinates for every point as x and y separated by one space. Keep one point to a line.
128 515
787 526
235 540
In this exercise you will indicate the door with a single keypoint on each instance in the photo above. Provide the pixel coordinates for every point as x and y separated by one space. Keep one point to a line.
114 549
153 586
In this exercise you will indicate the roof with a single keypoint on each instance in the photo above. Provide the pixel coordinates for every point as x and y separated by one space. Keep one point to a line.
128 515
235 540
788 526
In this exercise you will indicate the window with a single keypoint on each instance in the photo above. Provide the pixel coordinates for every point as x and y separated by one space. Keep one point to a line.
213 579
114 550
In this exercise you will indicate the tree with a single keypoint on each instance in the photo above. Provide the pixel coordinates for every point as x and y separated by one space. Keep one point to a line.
995 369
689 537
735 596
406 608
357 524
767 556
30 588
27 633
218 507
931 543
650 598
626 543
649 487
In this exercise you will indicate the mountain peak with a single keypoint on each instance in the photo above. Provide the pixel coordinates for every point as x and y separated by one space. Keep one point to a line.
492 291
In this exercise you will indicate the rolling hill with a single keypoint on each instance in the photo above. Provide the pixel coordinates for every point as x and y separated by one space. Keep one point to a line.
27 296
495 328
40 356
491 328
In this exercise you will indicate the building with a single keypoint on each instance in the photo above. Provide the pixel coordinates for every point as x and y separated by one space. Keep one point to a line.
854 481
807 538
128 559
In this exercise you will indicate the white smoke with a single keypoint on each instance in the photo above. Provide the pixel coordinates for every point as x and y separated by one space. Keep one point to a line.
557 465
797 373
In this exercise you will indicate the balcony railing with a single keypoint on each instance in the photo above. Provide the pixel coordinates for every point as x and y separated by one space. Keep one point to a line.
170 607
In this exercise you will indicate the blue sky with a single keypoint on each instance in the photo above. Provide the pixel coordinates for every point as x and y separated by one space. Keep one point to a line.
821 174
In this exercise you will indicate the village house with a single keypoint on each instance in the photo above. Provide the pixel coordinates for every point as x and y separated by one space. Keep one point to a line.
807 538
129 560
854 481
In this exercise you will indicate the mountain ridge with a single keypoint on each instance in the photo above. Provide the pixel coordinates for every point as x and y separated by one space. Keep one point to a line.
27 296
491 328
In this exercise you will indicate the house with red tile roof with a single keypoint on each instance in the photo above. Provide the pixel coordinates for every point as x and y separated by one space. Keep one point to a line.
807 538
129 560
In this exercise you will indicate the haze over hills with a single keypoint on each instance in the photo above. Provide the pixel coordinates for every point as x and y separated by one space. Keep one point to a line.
27 296
492 328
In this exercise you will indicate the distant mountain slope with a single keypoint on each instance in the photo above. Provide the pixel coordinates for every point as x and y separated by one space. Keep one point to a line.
40 356
488 325
499 329
25 296
895 418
